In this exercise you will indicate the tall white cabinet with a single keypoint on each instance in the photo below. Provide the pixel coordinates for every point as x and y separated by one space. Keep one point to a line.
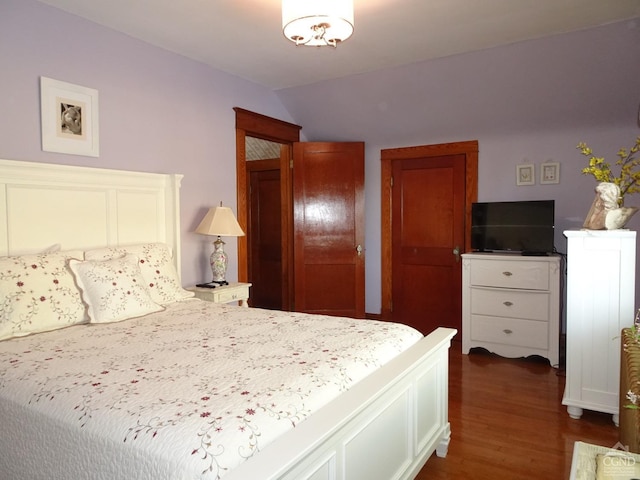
511 304
600 303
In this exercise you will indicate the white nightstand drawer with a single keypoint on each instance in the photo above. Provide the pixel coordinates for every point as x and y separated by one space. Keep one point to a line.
532 305
224 294
510 331
524 274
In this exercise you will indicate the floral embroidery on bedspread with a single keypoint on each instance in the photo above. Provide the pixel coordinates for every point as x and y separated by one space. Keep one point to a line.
211 384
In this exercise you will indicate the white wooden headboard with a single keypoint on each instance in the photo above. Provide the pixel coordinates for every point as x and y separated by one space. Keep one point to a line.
42 205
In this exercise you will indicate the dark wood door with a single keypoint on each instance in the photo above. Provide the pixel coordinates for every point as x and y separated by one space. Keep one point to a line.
428 220
265 242
328 211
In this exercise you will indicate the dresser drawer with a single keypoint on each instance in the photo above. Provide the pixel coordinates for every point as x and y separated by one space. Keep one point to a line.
514 274
510 331
532 305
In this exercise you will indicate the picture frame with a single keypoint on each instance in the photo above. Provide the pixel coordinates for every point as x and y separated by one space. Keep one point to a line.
526 174
549 173
69 118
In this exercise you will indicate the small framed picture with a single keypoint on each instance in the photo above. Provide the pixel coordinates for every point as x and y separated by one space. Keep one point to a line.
526 174
549 173
69 118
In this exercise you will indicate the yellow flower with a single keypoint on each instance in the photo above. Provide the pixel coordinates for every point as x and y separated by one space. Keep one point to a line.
629 178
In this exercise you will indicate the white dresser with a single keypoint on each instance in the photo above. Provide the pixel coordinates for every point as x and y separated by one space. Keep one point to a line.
511 304
600 303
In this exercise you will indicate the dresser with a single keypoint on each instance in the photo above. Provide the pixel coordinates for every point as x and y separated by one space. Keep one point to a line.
234 292
511 304
600 303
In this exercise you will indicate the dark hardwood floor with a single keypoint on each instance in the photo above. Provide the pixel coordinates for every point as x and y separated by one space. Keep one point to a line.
508 422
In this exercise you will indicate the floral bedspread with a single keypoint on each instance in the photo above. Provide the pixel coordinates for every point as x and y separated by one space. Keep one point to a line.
202 386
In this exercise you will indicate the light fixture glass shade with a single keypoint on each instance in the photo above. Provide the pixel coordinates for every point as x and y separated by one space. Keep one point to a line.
219 221
317 22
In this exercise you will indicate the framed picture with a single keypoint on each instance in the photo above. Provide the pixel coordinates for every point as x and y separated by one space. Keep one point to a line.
526 174
69 117
549 172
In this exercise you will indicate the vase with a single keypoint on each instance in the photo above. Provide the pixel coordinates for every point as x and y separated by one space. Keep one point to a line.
605 214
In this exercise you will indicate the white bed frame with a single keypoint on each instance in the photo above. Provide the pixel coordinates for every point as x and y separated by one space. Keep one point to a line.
385 427
42 205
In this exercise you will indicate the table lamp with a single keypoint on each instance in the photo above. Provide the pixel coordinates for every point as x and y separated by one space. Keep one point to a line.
219 221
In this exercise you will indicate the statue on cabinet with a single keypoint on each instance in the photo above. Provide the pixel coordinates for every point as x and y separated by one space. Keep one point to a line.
605 212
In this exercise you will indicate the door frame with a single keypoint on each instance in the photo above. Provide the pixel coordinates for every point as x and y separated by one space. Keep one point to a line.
387 156
251 124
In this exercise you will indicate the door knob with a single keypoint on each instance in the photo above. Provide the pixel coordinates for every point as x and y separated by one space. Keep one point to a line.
359 250
456 252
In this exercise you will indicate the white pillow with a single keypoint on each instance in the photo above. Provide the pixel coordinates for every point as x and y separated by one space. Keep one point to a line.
38 293
156 266
114 289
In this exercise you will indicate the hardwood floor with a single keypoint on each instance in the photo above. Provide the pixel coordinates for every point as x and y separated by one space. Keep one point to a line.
508 422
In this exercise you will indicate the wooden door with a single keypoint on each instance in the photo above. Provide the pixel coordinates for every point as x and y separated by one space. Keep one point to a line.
428 230
328 198
392 192
265 242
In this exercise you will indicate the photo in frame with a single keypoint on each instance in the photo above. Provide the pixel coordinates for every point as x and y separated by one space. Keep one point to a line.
549 173
526 174
69 118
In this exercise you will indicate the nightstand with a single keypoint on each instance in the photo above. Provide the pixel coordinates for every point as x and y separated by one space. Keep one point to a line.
224 294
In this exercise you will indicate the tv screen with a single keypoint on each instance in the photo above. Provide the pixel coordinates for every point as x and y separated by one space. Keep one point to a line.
526 227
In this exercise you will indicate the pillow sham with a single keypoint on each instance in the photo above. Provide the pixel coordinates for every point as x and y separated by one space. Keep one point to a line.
156 266
114 290
38 293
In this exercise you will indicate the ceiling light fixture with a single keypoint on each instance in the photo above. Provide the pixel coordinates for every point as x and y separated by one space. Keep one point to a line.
317 23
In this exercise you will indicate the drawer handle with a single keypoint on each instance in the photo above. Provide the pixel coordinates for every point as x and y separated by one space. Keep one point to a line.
507 303
507 274
507 331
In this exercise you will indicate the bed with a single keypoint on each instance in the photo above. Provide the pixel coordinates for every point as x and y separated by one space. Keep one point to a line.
133 393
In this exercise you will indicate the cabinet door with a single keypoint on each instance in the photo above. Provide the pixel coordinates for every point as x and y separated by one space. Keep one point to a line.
600 302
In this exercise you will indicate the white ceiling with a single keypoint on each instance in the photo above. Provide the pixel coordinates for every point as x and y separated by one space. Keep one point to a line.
244 37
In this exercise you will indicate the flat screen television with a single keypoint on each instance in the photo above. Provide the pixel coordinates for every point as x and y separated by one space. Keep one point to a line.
526 227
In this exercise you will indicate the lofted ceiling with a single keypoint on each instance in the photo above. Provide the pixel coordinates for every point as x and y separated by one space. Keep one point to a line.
244 37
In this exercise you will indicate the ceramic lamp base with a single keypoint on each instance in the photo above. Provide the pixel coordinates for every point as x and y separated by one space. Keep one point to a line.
218 262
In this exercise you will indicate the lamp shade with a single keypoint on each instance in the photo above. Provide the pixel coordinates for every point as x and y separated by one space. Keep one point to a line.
317 22
220 221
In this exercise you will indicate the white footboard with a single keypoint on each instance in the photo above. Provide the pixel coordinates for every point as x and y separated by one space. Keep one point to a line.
385 428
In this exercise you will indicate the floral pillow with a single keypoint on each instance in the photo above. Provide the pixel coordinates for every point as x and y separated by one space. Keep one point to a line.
38 293
156 266
114 290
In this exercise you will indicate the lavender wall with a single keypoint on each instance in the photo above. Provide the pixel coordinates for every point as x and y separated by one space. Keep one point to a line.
527 102
159 112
